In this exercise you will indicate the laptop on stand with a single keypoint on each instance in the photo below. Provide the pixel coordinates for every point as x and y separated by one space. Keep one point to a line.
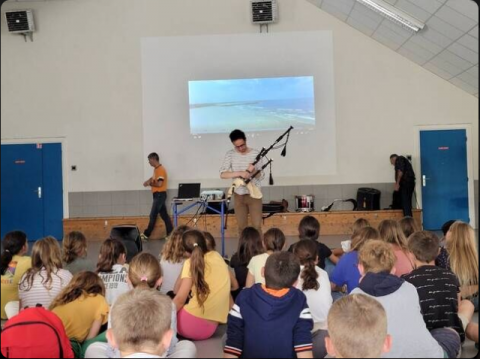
188 192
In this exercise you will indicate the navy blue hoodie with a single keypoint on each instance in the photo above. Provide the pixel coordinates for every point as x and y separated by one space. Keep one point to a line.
261 325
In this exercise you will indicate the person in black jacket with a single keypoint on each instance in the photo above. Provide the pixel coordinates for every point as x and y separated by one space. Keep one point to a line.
404 182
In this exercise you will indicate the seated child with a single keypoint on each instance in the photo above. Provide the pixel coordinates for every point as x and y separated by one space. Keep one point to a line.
368 338
112 268
271 320
14 265
74 254
438 288
172 259
205 279
146 334
346 272
314 283
273 241
309 228
46 278
391 233
410 336
82 306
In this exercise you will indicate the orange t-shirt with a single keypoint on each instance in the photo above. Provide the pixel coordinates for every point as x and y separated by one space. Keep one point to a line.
160 172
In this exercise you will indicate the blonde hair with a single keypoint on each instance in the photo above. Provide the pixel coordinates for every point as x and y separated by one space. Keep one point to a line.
46 255
366 338
391 232
82 284
173 251
377 256
408 226
144 271
359 224
150 321
462 250
74 245
362 236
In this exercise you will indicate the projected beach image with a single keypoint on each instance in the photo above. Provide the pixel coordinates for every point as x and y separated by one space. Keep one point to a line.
264 104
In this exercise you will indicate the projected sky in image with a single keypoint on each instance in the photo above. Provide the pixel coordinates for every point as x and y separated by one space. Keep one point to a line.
262 104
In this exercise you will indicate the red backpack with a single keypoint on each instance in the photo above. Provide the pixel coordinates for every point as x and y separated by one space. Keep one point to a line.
35 333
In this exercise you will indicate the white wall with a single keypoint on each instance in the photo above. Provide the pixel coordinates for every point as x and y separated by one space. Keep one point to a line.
81 79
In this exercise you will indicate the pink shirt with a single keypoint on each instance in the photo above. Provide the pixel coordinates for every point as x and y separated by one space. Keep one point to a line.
404 263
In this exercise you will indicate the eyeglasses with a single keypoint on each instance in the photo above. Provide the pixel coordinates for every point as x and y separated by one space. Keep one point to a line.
240 146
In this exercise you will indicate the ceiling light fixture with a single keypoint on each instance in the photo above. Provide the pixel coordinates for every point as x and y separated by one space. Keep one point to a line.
392 13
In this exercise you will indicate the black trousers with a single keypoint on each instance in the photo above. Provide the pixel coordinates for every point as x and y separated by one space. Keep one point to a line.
406 194
159 207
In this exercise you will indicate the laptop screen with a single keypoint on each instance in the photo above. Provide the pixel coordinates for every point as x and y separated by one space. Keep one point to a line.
188 190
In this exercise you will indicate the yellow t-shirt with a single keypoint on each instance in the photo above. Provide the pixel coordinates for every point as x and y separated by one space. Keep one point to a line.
160 172
16 269
79 315
216 306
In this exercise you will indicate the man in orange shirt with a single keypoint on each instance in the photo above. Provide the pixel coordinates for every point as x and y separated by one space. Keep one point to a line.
158 183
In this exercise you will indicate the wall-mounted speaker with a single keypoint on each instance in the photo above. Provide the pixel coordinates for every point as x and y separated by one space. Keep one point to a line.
264 11
20 21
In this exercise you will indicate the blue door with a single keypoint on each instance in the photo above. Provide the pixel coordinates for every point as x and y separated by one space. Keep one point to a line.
444 177
32 193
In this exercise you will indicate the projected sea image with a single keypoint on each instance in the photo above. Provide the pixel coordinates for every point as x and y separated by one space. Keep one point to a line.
265 115
259 104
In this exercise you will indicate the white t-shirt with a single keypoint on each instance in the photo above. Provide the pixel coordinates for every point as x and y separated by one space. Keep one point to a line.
171 272
115 282
43 293
255 267
319 301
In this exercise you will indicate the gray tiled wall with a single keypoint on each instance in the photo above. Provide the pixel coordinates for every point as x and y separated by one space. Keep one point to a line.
138 203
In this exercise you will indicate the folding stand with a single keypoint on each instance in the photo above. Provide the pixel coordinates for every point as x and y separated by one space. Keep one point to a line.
202 205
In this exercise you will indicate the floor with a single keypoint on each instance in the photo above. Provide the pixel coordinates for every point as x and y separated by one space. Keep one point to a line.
213 348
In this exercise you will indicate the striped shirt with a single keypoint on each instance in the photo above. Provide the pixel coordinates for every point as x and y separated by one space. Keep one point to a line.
235 161
438 290
41 292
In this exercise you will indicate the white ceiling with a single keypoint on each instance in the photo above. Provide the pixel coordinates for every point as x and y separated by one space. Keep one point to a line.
447 45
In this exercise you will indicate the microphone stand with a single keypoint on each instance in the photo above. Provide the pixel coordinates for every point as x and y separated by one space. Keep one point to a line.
228 205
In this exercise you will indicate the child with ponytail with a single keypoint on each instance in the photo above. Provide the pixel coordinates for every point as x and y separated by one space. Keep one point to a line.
74 254
205 274
112 268
314 283
13 267
145 272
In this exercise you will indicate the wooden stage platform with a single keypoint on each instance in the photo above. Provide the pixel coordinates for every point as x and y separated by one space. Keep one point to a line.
335 222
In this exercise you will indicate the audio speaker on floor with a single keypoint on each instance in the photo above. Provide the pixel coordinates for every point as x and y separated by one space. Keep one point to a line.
129 235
